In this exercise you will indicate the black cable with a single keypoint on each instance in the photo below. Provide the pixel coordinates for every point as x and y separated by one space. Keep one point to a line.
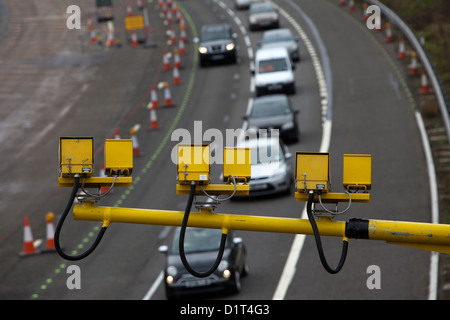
61 222
319 242
181 242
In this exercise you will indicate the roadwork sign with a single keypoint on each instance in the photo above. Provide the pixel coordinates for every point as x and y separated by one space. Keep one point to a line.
134 23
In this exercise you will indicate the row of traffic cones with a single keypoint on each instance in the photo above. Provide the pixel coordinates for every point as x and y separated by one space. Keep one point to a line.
29 247
402 54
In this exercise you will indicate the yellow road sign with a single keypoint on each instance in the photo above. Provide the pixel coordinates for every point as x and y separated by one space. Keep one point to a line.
134 23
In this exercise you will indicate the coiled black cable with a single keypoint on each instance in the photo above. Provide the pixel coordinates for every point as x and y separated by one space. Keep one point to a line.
319 242
61 222
181 241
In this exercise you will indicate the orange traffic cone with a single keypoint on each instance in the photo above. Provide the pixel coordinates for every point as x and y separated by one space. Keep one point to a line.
153 98
176 58
166 63
28 246
401 49
424 81
176 76
50 232
136 148
183 35
167 96
389 36
103 189
153 119
351 5
134 39
365 14
116 134
413 69
181 48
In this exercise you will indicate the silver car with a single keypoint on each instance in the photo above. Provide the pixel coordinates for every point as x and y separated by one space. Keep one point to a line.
243 4
281 38
270 169
263 15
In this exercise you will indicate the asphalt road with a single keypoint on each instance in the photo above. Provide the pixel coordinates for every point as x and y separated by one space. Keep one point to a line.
56 84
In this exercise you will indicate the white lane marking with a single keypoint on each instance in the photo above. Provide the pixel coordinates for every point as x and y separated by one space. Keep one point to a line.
154 287
434 259
325 89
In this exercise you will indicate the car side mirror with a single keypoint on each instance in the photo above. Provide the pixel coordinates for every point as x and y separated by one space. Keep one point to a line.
163 249
237 240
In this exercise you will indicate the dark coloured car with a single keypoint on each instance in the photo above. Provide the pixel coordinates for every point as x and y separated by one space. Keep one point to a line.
217 43
201 247
274 112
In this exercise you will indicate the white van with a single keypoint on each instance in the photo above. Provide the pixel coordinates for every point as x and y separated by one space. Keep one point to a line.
273 71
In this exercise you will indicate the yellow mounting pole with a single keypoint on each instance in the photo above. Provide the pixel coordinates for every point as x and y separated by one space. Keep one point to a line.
427 236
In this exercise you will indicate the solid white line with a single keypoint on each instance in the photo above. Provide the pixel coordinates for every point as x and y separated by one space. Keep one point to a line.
434 259
154 287
325 92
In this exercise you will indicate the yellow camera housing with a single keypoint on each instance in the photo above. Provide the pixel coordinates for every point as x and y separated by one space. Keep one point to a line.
357 171
237 163
312 171
76 156
193 163
118 157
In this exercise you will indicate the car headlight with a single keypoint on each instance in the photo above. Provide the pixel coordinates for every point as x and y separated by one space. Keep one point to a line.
169 279
226 273
230 46
203 50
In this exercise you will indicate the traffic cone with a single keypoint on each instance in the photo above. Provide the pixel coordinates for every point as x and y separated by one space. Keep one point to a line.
172 36
182 23
401 49
160 4
153 98
28 246
424 81
351 5
103 189
134 39
178 16
413 70
342 2
129 11
153 119
389 36
136 148
169 17
176 76
50 232
181 47
176 58
167 96
110 38
183 36
365 14
166 63
116 134
93 37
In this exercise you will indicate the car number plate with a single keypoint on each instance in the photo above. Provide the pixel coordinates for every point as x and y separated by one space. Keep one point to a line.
274 87
197 283
217 57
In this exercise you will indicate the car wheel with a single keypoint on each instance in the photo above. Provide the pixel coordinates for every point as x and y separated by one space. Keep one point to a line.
245 270
236 286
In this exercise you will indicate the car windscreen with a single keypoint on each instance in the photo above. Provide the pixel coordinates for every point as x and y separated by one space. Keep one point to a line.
277 37
197 240
215 35
264 109
272 65
261 9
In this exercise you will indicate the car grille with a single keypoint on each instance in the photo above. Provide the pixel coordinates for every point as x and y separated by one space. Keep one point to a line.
217 48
